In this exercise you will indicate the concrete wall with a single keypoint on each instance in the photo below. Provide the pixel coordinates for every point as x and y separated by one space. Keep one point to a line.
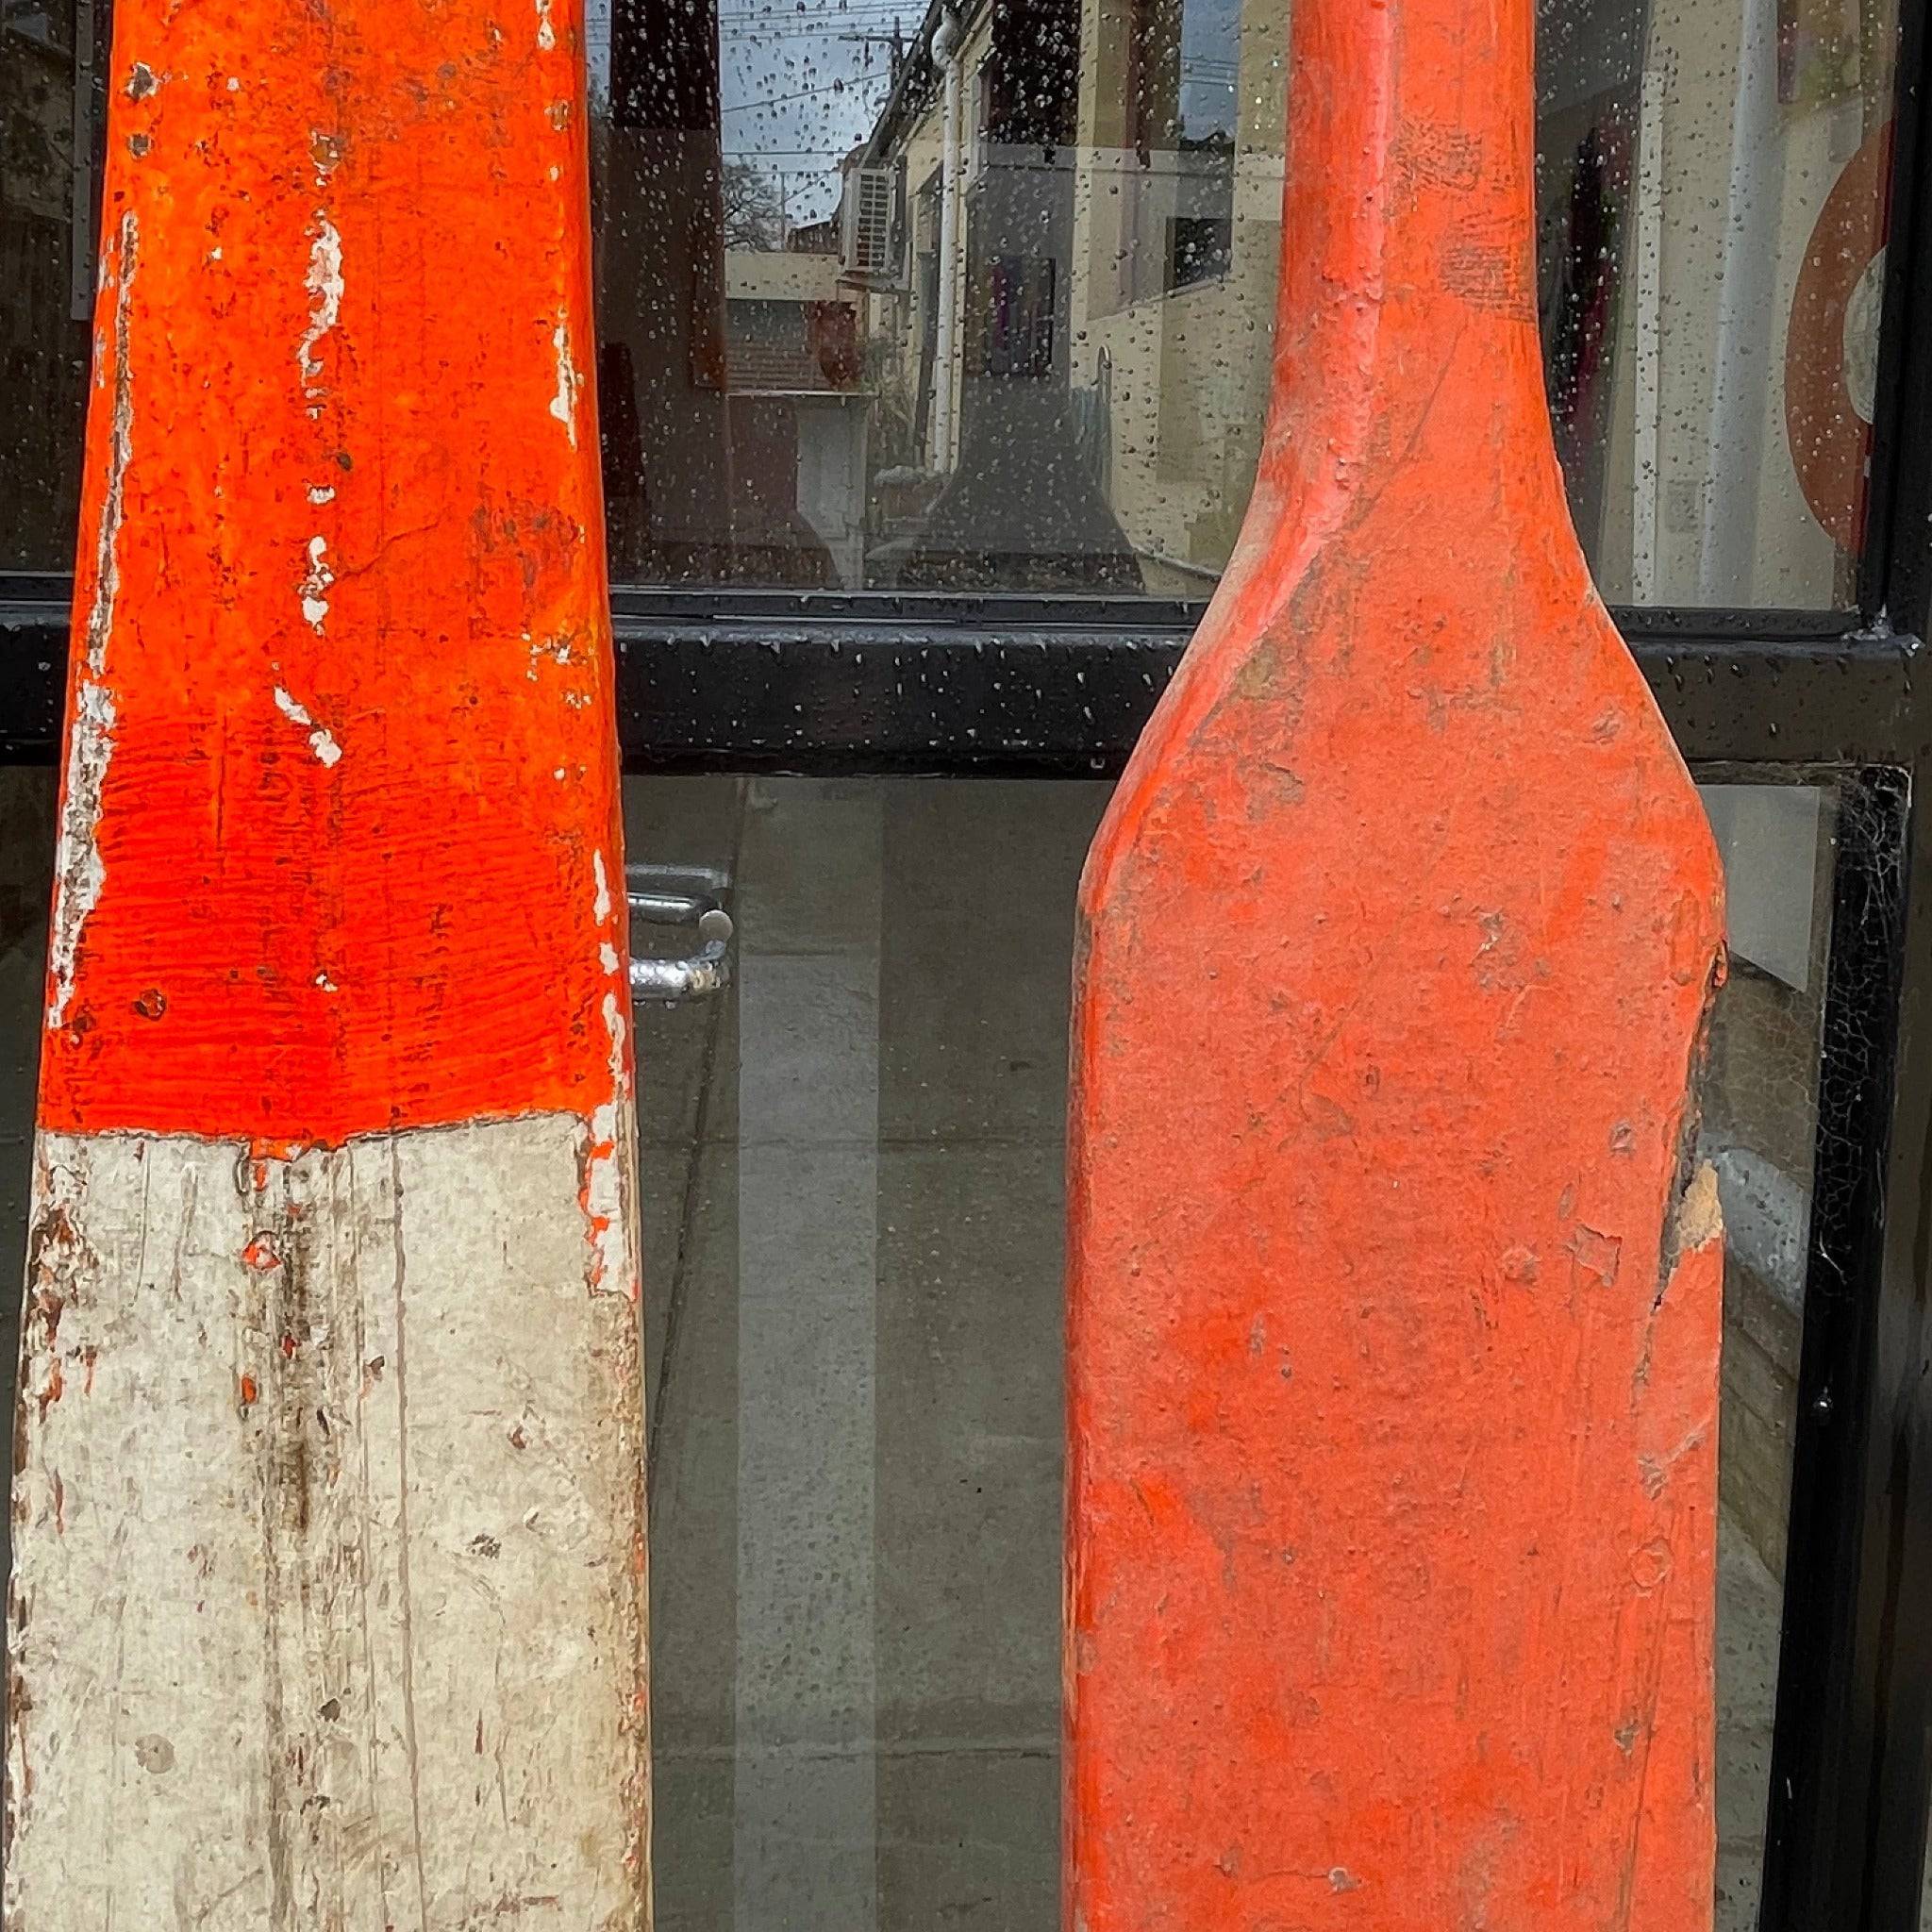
1187 370
759 274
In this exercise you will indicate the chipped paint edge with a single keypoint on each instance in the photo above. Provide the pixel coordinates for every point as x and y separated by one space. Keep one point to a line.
79 870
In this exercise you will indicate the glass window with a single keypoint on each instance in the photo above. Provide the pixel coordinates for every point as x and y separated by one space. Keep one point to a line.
853 1212
852 1208
855 1209
894 298
51 55
1760 1108
1051 235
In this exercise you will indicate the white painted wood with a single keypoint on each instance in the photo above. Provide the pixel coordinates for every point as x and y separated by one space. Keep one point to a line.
328 1600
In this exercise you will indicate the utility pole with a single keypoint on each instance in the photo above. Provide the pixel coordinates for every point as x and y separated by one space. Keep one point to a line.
1394 1280
329 1584
894 42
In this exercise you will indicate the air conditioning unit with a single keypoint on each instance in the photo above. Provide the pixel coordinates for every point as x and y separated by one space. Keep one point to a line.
869 226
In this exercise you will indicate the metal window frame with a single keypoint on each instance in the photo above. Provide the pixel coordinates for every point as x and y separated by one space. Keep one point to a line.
884 684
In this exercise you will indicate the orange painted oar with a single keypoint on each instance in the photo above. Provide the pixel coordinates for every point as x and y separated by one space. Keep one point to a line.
328 1598
1394 1293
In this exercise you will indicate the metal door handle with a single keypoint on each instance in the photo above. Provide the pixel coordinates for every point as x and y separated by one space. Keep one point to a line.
681 895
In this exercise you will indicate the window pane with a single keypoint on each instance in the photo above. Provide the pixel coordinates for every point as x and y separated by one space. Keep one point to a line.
854 1203
861 328
1760 1117
52 54
852 1200
1711 184
1024 275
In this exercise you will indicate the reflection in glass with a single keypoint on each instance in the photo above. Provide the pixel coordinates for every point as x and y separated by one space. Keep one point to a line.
1760 1102
1049 238
902 296
853 1200
853 1210
52 54
1712 188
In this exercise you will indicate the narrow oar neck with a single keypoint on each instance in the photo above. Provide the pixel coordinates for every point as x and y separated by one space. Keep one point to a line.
1408 322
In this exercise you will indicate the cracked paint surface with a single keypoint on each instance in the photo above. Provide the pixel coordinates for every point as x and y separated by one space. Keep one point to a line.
1394 1298
320 740
315 582
323 282
563 405
610 1165
79 870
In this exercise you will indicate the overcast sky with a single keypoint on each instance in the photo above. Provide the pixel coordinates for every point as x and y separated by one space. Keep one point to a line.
803 80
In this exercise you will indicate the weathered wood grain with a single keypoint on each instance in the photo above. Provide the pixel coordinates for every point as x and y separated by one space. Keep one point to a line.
1395 1291
328 1607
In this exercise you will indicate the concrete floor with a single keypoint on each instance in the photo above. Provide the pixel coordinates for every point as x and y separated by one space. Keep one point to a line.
852 1192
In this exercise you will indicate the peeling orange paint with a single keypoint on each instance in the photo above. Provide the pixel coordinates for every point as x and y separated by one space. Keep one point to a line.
303 734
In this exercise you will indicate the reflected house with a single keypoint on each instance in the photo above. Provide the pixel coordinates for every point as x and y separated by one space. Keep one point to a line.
1175 252
960 212
798 411
1076 382
700 473
1071 346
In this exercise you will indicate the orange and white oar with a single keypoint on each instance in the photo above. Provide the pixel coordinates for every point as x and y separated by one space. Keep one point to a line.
328 1593
1395 1286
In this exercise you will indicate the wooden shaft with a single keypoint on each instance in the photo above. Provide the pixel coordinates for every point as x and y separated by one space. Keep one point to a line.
329 1597
1394 1277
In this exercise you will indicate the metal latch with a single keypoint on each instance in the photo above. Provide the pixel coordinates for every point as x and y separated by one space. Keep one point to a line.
692 896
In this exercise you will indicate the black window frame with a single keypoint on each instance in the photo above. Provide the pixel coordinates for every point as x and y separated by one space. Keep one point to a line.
892 684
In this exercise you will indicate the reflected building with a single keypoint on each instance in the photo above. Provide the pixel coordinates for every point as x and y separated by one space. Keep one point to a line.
727 378
1177 252
970 310
1111 331
1021 340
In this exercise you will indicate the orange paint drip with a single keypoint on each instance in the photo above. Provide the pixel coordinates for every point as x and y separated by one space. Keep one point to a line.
1393 1299
340 835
